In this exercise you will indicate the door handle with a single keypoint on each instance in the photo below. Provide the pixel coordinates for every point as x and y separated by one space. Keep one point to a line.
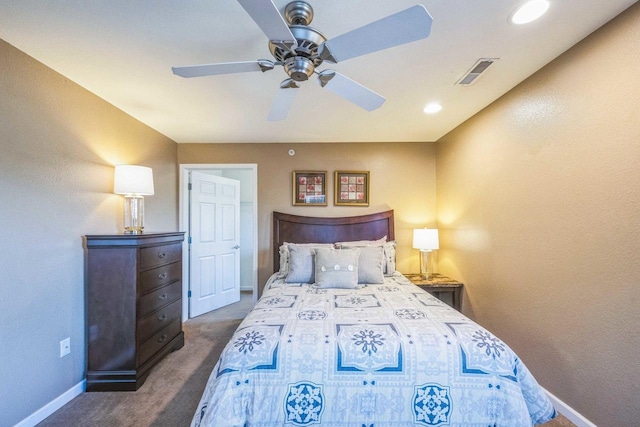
236 247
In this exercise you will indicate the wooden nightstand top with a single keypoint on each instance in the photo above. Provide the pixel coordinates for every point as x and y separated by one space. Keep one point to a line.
436 281
439 284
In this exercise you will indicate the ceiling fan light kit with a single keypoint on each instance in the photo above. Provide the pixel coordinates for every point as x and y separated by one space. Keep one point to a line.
301 49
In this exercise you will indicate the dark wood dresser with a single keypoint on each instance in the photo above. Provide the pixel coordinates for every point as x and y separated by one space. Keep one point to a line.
134 306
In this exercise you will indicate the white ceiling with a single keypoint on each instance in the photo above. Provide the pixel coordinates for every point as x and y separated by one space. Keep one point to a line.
123 51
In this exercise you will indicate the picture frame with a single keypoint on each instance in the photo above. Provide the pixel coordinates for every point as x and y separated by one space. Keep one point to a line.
309 188
351 188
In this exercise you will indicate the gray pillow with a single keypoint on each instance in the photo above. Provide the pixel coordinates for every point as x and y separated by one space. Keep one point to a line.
284 254
360 243
370 265
389 252
336 268
300 264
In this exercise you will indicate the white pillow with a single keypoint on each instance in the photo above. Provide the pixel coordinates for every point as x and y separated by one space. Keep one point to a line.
336 268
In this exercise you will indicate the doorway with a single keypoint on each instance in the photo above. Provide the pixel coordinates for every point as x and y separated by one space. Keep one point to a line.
247 174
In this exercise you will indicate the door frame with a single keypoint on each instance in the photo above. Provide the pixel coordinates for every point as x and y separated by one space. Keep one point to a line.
183 219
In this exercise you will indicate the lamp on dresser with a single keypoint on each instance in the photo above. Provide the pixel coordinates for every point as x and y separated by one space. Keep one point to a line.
426 240
134 182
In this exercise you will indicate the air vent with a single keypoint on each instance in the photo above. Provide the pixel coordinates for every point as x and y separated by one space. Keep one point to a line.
476 71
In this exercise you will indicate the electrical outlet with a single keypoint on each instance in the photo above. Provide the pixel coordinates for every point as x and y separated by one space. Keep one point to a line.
65 347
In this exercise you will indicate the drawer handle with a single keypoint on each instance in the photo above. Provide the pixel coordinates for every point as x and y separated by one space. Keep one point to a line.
162 275
162 254
162 318
162 338
162 297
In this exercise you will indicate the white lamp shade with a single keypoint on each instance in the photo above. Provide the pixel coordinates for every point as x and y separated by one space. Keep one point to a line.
425 238
131 179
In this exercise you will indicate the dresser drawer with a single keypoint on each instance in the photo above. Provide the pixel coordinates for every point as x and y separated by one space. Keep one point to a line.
159 298
159 319
155 256
151 279
158 340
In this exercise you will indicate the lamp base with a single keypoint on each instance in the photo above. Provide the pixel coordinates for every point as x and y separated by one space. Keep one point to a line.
426 270
133 214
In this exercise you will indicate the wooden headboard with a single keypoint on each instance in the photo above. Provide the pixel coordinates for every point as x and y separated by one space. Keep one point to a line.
306 229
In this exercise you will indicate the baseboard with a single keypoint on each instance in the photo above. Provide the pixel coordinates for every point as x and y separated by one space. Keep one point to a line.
570 413
53 406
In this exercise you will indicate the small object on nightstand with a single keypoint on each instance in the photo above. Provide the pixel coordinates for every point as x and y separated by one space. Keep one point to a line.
439 284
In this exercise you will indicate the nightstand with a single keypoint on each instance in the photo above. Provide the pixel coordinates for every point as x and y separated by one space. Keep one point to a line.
439 284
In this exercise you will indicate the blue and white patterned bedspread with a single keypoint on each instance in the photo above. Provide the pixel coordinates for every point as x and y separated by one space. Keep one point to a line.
383 355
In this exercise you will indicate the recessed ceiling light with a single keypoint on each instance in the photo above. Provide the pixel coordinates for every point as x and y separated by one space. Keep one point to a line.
432 108
530 11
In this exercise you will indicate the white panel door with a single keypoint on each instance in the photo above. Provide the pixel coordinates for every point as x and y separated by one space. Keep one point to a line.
214 271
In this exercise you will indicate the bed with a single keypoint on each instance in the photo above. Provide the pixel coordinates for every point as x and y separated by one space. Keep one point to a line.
380 352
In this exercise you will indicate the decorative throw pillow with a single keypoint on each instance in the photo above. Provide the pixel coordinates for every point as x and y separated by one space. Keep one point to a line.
300 265
336 268
389 258
284 254
284 260
370 265
389 250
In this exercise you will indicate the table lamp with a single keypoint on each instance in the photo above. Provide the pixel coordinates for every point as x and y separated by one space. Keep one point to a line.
134 182
426 240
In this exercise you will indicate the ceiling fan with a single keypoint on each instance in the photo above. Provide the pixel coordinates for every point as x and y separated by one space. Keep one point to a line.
300 49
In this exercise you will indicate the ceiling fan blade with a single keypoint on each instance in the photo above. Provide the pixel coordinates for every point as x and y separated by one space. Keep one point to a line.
350 90
268 18
283 101
223 68
403 27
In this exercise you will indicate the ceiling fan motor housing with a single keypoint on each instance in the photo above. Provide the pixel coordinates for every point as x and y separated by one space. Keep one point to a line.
301 62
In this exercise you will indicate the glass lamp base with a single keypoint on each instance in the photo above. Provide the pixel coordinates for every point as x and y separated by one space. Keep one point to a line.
136 231
133 214
426 270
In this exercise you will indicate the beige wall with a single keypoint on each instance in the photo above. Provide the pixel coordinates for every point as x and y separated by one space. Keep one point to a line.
539 212
402 179
58 145
538 202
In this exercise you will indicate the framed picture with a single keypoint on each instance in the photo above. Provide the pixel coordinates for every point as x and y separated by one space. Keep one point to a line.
351 188
310 188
